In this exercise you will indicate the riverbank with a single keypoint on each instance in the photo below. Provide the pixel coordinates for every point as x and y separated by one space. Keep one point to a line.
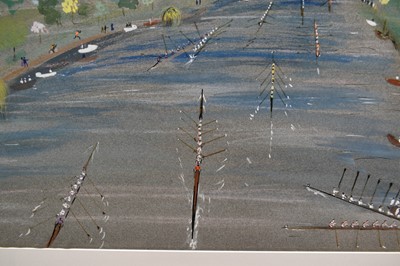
36 46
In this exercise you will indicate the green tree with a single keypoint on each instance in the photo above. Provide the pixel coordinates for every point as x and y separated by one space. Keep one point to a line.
3 96
101 10
171 16
10 4
84 9
48 10
131 4
147 3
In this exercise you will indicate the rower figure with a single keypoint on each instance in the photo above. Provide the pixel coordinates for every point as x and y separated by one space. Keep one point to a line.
365 224
384 224
355 224
375 224
332 223
393 225
345 224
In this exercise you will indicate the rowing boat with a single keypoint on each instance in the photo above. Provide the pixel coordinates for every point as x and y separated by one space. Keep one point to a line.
151 22
45 75
131 28
392 139
88 49
394 81
371 22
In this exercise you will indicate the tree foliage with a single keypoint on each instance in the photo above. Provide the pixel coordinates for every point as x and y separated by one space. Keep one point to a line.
84 9
48 9
3 96
70 6
131 4
10 4
171 16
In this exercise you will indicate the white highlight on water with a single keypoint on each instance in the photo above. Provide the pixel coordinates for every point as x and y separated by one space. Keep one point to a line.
318 70
219 169
316 192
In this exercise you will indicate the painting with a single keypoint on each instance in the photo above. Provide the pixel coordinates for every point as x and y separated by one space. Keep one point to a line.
189 125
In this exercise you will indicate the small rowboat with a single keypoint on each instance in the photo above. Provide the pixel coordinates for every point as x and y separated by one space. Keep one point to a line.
371 22
151 22
131 28
45 75
23 84
88 49
394 81
392 139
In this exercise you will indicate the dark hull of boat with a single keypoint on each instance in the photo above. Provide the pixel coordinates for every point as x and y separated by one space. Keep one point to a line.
392 139
23 86
395 82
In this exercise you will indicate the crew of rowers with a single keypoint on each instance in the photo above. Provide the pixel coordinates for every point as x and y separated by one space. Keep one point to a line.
368 2
317 45
24 80
68 200
365 225
203 40
393 208
262 21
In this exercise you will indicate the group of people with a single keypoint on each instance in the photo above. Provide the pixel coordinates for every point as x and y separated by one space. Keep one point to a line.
366 224
24 61
68 200
104 28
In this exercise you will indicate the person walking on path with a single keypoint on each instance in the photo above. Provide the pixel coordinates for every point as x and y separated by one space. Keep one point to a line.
24 61
53 48
77 34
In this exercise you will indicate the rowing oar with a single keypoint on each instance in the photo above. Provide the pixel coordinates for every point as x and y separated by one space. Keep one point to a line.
362 206
365 185
335 191
394 199
384 198
373 194
187 38
352 188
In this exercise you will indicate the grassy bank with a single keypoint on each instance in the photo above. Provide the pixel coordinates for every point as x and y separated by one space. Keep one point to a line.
33 46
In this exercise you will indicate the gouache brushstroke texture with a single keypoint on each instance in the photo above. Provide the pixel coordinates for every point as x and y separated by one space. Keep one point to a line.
319 86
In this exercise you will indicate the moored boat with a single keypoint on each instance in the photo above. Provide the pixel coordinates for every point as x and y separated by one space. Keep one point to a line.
392 139
394 81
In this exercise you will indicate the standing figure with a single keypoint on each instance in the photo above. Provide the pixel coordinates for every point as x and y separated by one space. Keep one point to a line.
24 61
53 48
112 26
77 34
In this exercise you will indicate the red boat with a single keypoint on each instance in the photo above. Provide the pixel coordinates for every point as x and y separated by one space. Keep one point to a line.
392 139
394 81
151 22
